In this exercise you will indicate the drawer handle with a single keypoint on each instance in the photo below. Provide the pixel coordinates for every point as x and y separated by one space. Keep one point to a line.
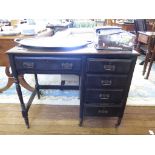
103 111
104 96
28 65
67 65
109 67
106 82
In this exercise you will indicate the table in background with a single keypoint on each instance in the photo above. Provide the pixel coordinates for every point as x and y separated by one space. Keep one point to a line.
130 26
6 43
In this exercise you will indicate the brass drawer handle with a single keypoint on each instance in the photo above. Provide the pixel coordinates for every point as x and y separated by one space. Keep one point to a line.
106 82
28 65
109 67
104 96
67 65
103 111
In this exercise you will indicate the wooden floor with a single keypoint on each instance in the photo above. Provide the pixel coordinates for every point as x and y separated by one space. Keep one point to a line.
50 119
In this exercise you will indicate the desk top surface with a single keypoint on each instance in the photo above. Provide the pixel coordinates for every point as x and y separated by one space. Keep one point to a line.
88 50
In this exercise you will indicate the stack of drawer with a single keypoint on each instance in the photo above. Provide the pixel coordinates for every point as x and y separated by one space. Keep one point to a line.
106 86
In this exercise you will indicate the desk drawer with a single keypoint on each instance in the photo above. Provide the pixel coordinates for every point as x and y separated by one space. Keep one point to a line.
104 96
48 64
106 81
103 111
95 65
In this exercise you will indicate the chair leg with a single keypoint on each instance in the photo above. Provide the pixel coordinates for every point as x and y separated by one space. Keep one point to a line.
150 65
146 62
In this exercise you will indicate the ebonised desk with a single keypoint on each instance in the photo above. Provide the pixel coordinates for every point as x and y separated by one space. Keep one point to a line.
105 77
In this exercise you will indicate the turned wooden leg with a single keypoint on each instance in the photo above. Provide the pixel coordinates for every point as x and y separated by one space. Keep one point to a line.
26 119
9 82
81 122
138 47
37 85
150 65
147 57
8 85
23 107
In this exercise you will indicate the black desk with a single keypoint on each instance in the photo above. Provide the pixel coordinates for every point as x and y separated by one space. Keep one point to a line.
105 77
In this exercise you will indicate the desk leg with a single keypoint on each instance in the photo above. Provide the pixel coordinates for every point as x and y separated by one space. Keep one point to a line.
24 110
37 85
82 90
81 103
118 122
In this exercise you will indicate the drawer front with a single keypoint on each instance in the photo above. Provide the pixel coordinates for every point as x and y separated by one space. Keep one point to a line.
48 64
106 81
108 65
103 97
103 111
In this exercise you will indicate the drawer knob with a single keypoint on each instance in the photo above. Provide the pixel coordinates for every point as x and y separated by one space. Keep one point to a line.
106 82
67 65
104 96
109 67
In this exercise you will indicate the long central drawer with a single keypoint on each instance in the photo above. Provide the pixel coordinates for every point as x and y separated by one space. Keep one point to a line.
55 64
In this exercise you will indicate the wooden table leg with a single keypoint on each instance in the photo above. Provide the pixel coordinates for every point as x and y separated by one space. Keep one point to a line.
11 81
8 85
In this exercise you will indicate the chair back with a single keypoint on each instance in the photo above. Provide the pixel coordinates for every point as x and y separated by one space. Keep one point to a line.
140 25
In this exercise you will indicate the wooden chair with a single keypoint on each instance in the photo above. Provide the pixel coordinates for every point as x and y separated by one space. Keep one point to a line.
140 25
141 46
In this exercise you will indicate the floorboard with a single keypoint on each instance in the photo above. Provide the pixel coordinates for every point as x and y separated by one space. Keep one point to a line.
63 120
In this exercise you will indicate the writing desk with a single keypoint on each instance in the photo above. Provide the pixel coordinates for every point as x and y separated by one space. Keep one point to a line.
105 77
